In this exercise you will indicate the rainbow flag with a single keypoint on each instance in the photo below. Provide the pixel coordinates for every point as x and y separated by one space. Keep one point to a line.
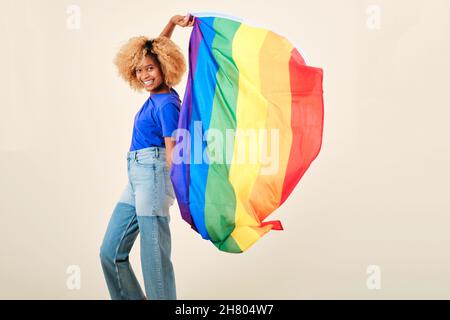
250 125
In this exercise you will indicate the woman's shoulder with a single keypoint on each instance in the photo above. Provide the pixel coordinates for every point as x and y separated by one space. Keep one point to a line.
171 98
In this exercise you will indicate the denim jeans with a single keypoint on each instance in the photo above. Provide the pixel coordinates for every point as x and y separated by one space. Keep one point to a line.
143 208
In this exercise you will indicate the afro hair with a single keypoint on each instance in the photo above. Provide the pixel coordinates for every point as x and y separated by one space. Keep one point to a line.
166 52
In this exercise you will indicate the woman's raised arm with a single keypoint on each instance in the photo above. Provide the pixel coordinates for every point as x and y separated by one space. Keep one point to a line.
177 20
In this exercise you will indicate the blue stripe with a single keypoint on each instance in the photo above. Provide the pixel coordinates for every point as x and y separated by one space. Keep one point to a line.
203 91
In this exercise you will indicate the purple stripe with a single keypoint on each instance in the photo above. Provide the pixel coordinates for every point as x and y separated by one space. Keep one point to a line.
180 174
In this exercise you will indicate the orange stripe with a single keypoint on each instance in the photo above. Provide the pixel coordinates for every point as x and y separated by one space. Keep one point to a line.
275 87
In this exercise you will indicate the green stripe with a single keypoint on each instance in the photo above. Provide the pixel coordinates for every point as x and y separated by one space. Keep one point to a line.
229 245
220 199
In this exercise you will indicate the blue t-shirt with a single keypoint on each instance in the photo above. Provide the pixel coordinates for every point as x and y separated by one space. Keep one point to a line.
156 119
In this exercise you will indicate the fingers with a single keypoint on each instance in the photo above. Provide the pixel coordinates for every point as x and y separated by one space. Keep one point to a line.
181 20
191 19
177 18
185 21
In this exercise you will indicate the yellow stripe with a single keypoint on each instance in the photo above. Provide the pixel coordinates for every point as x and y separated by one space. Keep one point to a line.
251 113
276 87
247 236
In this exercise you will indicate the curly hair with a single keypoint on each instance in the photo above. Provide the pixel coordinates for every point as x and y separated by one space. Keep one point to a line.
163 50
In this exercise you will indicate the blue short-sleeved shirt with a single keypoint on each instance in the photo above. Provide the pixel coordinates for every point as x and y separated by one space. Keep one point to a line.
156 119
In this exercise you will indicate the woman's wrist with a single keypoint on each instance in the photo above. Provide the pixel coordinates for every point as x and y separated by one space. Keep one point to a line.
172 20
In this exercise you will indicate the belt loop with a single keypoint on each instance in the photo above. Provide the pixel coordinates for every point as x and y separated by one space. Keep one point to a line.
135 156
157 152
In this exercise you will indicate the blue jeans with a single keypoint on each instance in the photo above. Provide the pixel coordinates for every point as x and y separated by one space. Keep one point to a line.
142 208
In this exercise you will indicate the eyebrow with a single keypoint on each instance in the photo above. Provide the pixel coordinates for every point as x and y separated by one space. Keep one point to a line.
145 66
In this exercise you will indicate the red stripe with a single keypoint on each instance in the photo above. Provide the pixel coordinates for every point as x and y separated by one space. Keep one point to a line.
276 224
306 120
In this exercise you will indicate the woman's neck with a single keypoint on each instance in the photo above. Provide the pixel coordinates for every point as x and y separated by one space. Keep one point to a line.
163 88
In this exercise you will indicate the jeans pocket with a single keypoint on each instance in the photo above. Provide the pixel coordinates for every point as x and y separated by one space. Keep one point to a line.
146 160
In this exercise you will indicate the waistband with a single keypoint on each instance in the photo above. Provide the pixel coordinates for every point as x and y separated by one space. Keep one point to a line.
156 151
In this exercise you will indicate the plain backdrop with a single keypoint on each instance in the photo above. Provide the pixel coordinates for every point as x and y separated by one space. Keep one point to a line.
376 197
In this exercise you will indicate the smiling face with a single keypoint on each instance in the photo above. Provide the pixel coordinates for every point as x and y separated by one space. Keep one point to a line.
149 73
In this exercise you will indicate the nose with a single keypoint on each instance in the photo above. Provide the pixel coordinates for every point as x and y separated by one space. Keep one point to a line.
144 74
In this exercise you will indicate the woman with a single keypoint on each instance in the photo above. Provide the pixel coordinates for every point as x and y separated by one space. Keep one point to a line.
154 65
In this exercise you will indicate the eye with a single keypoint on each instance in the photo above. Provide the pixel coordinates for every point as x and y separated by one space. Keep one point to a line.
149 68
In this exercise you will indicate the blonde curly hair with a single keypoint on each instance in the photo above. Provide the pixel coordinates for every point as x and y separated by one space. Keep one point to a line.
161 49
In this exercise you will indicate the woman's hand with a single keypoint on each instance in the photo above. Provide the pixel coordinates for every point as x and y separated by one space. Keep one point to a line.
177 20
170 145
183 21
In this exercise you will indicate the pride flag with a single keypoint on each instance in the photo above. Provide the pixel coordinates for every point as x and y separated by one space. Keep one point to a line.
250 125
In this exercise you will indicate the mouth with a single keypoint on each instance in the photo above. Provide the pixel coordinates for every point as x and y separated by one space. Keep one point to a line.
148 83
